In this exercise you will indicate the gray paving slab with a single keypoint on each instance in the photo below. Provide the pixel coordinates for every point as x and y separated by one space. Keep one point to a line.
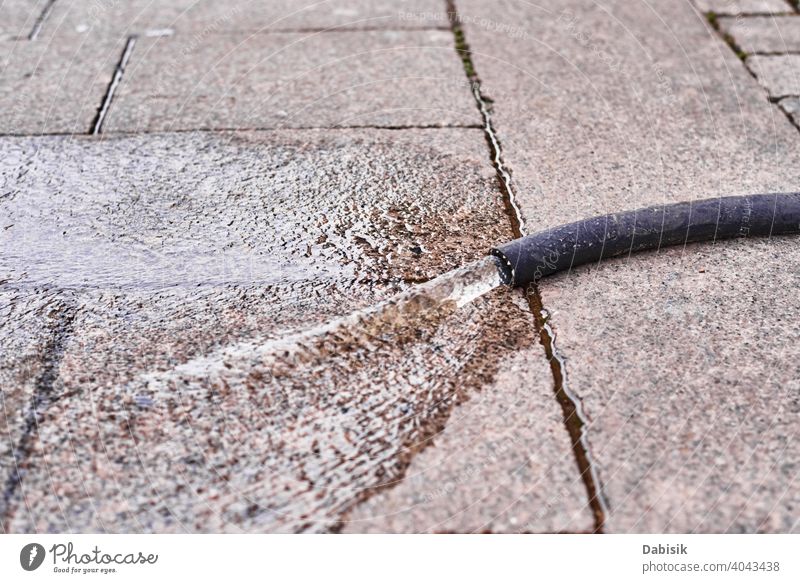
489 470
744 6
791 105
778 74
54 86
18 18
764 34
685 360
204 17
196 391
689 368
30 326
373 78
219 449
248 207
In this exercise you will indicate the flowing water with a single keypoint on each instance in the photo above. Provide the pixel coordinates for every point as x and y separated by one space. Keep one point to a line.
288 434
251 415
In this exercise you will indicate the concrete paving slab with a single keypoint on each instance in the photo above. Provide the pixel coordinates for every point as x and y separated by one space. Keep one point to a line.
216 445
197 391
791 105
204 17
779 74
262 208
764 34
491 469
54 86
683 359
377 78
18 18
744 6
31 327
689 368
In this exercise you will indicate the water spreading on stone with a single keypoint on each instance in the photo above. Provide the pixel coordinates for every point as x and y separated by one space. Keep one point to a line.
342 407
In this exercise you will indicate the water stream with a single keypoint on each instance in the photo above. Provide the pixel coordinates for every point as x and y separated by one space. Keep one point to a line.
290 433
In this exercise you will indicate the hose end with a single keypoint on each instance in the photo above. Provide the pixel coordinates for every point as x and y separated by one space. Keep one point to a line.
504 267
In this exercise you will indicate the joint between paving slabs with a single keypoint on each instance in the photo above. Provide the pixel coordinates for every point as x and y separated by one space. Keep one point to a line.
40 20
575 419
713 20
466 126
42 398
773 53
119 71
570 404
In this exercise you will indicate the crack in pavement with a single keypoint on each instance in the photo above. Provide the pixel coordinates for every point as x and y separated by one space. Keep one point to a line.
40 20
42 398
575 419
119 71
713 20
233 129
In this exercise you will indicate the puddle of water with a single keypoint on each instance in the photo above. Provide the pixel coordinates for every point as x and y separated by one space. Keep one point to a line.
269 209
257 430
290 433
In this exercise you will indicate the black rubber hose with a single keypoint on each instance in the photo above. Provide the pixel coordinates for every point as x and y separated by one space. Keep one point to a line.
530 258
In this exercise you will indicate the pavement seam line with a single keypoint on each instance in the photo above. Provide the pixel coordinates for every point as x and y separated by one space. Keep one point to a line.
575 418
713 21
252 129
119 71
340 28
42 398
788 12
40 20
572 409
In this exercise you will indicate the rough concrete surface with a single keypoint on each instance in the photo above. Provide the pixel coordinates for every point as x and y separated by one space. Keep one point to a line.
493 469
206 330
204 17
181 400
694 431
18 18
791 105
54 86
31 327
764 34
678 357
778 74
374 78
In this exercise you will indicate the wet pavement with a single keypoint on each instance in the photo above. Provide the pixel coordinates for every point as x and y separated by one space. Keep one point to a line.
332 208
263 431
197 327
166 266
484 476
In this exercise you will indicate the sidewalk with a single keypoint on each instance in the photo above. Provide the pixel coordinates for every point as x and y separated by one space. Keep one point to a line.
184 183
